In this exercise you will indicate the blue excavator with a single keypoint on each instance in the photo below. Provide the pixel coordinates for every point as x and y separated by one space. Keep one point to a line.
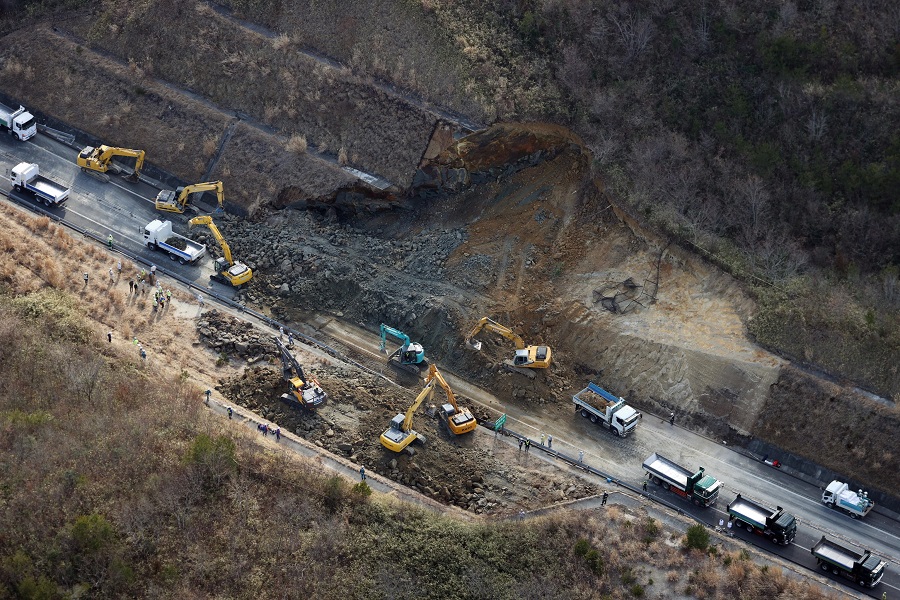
409 357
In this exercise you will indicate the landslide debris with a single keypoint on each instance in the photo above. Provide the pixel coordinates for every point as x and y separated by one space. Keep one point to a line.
475 471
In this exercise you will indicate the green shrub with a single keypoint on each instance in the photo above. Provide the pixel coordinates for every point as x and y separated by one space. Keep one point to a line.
362 489
637 590
697 537
594 562
92 534
582 546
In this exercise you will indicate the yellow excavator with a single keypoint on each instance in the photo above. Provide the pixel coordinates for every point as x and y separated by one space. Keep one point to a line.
97 161
400 434
459 420
227 270
176 200
306 392
526 357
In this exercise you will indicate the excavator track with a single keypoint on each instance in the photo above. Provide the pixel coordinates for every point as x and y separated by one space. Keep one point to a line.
529 373
96 175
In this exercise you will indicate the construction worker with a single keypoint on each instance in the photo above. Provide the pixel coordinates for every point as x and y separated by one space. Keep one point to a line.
543 437
549 441
230 412
208 394
86 276
109 241
581 456
672 419
605 497
362 473
644 485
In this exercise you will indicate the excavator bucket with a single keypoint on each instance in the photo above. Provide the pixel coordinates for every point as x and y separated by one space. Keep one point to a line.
133 177
474 345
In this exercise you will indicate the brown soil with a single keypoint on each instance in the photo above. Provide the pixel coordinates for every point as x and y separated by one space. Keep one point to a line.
478 471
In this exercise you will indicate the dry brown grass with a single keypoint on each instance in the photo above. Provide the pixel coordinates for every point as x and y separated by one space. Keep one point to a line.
275 84
168 118
296 143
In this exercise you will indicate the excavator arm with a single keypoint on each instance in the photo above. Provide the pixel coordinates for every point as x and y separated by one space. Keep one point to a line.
426 392
307 392
460 420
490 325
99 159
177 200
289 364
386 330
207 220
433 373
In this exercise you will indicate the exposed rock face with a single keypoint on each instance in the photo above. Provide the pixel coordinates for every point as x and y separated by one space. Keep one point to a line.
496 152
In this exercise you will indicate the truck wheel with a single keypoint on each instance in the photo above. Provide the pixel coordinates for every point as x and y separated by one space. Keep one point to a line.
824 566
593 418
151 245
657 480
665 486
835 570
853 515
584 413
749 528
181 260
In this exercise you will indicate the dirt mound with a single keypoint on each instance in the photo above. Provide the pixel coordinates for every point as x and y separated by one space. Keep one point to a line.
460 471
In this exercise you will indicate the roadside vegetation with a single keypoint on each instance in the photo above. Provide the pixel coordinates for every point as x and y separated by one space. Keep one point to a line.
116 483
757 134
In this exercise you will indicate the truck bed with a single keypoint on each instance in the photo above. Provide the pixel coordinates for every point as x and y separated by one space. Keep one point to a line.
750 510
596 397
667 469
43 185
828 550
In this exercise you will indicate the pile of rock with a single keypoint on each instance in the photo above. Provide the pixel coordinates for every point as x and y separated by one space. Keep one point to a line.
228 335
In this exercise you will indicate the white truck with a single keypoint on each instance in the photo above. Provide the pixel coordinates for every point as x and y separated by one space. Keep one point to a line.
26 177
19 122
158 235
839 495
601 407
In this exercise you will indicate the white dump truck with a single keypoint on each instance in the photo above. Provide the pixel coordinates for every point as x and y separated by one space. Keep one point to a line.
839 495
26 177
19 122
158 235
601 407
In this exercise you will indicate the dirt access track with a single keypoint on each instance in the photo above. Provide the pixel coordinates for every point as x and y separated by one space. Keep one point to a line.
509 222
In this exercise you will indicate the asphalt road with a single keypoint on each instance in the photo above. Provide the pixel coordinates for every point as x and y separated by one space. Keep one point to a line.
123 209
622 460
118 207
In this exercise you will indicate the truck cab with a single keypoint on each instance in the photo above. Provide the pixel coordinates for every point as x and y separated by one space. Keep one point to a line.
706 488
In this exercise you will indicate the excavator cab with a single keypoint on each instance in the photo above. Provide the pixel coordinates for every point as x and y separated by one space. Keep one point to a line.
96 161
413 355
525 357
